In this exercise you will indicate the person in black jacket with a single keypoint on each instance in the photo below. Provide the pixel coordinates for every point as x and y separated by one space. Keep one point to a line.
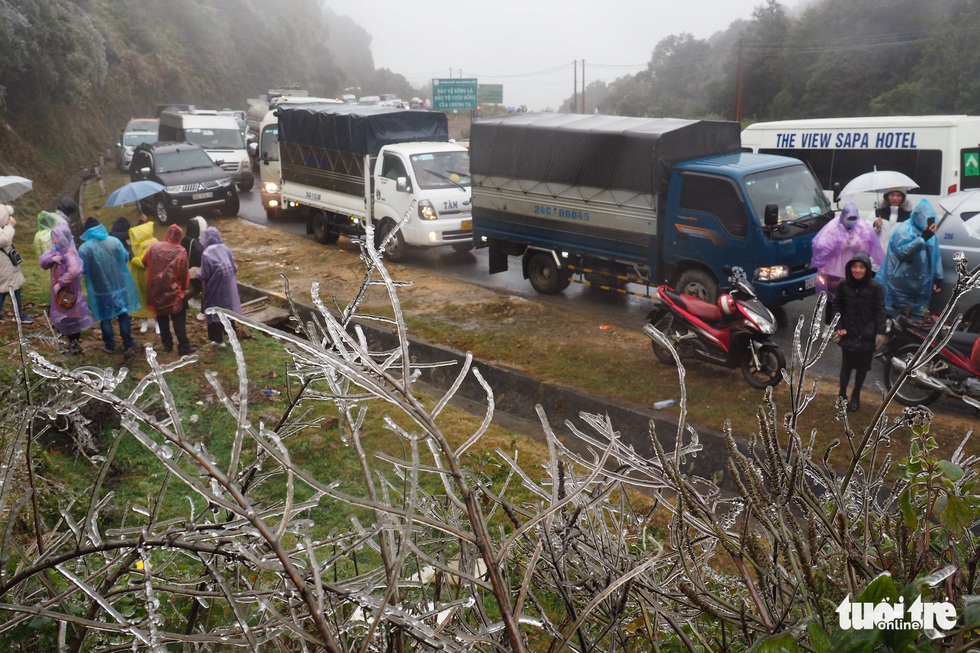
860 300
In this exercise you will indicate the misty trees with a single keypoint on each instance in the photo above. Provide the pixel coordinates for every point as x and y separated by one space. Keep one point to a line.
834 58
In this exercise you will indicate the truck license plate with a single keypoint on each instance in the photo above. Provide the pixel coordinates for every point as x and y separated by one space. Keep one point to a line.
202 196
466 224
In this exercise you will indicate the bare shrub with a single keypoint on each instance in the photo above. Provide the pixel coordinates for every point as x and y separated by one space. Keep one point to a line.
445 550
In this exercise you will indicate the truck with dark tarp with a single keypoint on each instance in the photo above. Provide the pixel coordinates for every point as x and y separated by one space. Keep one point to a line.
348 166
630 203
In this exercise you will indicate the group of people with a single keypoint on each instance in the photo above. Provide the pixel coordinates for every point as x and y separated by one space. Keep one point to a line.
870 270
127 273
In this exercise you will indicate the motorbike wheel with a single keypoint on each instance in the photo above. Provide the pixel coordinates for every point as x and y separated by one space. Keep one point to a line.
911 393
769 370
663 324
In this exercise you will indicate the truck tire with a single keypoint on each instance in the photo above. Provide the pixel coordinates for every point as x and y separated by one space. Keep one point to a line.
246 185
396 250
544 274
464 247
699 284
232 206
324 232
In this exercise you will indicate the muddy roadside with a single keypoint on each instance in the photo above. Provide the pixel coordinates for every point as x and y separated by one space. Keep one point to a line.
569 360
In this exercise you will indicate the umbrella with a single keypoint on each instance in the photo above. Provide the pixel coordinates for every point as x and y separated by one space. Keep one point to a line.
12 187
877 181
133 192
966 205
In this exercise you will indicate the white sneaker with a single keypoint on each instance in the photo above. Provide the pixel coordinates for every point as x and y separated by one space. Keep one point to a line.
144 326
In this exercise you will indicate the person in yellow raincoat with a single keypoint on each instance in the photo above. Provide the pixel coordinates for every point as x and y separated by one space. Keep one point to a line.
45 223
140 238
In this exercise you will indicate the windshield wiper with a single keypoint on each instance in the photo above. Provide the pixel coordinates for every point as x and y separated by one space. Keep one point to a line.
448 178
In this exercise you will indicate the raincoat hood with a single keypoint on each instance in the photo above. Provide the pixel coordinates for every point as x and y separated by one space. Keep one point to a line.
211 236
97 232
47 220
6 211
140 234
864 258
849 215
922 212
174 234
61 238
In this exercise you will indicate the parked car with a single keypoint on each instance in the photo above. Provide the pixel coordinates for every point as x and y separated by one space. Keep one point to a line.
959 231
193 183
142 125
125 147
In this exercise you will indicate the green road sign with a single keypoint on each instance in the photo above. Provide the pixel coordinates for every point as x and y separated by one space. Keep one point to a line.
454 94
491 93
971 163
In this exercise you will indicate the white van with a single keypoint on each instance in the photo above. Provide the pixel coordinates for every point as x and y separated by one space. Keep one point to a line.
220 137
270 176
941 153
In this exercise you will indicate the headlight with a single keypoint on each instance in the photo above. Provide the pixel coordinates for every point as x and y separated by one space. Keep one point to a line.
766 326
270 187
773 273
173 189
427 211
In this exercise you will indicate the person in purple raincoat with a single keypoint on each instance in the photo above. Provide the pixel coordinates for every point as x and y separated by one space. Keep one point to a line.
66 272
217 276
836 244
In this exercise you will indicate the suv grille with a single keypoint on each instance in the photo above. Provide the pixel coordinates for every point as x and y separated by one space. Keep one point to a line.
192 188
230 166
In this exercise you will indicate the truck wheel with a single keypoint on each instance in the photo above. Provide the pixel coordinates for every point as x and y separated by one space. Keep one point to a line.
396 250
232 206
323 231
462 248
246 185
544 274
698 283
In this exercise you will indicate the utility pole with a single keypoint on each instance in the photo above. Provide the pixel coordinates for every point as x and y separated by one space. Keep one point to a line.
738 86
583 85
575 87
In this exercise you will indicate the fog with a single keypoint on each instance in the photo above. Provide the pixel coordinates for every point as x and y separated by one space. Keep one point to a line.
530 47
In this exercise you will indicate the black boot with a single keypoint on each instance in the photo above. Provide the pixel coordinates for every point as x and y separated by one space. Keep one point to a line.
855 404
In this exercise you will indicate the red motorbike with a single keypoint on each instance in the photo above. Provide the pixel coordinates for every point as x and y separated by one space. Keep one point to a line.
949 372
732 333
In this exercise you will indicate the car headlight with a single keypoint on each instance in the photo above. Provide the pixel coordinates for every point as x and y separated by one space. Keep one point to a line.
427 211
270 187
774 273
173 189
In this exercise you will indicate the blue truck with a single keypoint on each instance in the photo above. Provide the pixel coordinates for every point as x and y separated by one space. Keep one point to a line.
630 203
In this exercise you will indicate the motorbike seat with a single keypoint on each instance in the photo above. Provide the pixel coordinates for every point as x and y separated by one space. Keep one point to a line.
963 342
696 307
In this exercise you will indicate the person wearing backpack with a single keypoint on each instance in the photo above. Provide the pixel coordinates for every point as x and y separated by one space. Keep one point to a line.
11 277
167 278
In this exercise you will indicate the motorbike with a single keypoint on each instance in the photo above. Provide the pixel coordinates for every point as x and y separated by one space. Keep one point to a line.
733 333
949 372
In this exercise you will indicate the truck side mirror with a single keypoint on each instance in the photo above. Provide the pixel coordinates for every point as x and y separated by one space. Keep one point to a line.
402 185
771 217
837 191
253 148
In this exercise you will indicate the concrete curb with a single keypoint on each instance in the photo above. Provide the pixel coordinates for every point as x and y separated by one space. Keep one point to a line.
516 394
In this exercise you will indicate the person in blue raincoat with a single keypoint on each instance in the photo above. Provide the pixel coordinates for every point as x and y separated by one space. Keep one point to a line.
217 276
111 290
913 267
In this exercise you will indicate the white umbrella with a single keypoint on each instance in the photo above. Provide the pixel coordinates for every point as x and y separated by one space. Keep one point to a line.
965 202
12 187
878 181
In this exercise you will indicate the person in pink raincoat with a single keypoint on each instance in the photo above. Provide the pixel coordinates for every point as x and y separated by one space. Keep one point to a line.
217 276
836 244
66 272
